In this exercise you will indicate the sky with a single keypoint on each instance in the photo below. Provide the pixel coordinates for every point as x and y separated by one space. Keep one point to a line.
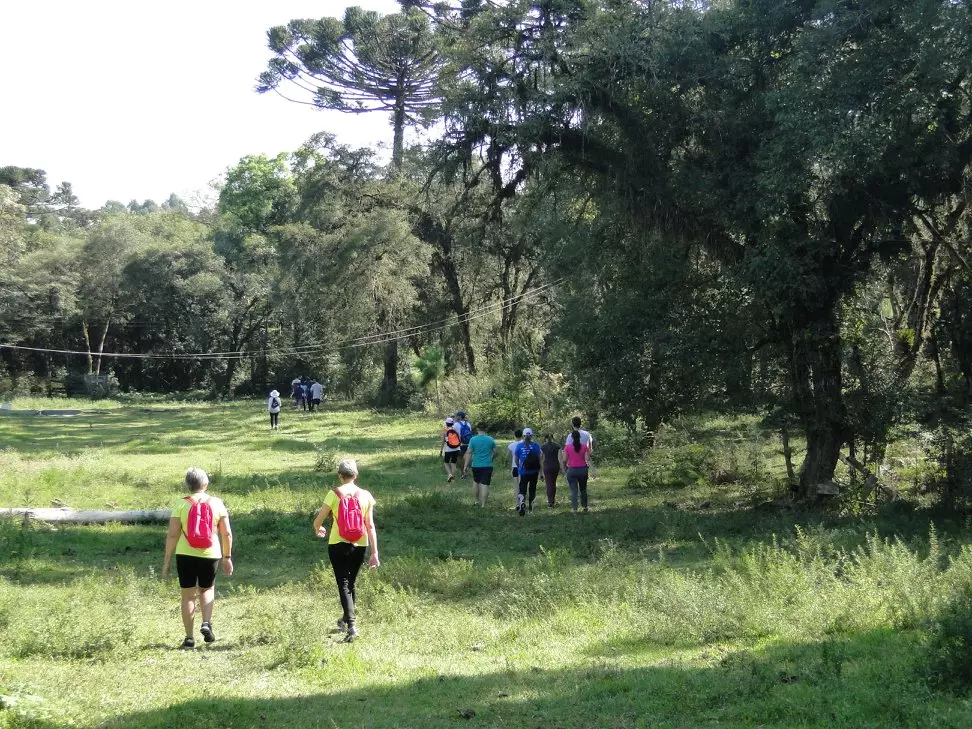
139 99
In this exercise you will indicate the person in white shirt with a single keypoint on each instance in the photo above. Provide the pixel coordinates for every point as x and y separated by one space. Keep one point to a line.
586 438
514 466
450 448
273 407
317 394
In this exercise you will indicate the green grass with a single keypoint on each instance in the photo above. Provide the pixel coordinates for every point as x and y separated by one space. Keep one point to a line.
655 610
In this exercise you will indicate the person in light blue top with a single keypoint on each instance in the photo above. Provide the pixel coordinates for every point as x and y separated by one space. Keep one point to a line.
482 450
529 460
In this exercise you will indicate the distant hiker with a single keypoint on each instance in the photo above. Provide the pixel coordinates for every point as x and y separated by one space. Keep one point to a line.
529 459
304 395
273 407
352 531
514 469
295 391
451 448
199 536
551 468
482 451
586 438
465 434
576 458
316 393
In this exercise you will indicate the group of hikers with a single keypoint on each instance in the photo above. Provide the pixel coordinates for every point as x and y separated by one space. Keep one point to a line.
201 539
306 393
527 460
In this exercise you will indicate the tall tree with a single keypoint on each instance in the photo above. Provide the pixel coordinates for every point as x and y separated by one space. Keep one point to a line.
367 62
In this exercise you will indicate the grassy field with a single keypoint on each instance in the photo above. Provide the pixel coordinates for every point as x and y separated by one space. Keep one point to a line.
664 607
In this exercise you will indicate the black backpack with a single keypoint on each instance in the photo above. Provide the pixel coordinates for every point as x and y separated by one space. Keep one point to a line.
531 461
275 403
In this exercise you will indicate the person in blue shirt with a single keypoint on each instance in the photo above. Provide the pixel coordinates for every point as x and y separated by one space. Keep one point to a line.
529 462
482 451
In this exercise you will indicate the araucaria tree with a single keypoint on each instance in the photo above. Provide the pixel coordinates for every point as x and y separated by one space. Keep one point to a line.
367 62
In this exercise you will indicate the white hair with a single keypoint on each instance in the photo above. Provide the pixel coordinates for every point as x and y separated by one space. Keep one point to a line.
196 479
348 467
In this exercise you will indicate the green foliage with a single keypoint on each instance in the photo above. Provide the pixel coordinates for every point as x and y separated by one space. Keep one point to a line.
949 645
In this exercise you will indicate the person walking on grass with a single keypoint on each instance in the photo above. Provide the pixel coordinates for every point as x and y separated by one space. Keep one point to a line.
551 468
586 438
200 537
451 448
465 435
295 391
515 467
529 458
316 394
273 407
576 459
482 450
352 532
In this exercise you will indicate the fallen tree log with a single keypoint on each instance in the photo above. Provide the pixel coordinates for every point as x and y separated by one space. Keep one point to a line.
870 480
81 516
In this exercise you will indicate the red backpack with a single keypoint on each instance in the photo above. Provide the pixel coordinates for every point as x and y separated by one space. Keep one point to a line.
199 524
348 517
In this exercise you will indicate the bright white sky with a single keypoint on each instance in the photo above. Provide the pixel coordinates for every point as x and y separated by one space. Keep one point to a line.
131 99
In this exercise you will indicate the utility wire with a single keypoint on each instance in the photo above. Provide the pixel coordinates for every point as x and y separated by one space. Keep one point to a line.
363 341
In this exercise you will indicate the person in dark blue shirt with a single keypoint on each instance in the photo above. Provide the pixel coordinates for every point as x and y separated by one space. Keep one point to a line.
529 461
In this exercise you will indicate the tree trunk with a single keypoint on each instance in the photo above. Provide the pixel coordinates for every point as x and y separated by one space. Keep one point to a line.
817 389
398 127
71 516
87 346
101 345
388 394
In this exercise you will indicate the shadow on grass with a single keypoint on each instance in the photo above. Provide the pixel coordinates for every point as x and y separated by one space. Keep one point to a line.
866 680
430 524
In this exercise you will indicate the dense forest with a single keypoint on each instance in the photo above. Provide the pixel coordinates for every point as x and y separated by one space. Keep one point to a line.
631 208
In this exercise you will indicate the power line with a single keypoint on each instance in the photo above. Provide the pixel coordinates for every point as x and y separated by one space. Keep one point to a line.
363 341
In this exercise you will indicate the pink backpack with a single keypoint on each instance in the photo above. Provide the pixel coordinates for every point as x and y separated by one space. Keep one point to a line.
348 517
199 524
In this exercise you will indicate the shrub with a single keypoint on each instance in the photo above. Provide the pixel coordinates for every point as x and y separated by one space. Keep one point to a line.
949 647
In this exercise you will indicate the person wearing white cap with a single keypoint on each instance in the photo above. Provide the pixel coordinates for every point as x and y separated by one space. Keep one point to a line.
529 458
273 407
451 448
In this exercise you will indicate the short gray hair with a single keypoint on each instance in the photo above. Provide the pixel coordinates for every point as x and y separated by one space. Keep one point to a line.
196 479
348 467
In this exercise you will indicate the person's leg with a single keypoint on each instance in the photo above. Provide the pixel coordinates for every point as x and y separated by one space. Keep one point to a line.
206 598
572 482
521 494
355 560
188 610
339 555
475 490
485 479
582 485
516 487
534 477
550 485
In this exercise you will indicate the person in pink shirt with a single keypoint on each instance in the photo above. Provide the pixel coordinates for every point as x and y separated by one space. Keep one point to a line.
576 459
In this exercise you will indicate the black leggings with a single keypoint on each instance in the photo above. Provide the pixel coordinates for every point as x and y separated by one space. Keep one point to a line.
274 419
528 481
346 560
577 479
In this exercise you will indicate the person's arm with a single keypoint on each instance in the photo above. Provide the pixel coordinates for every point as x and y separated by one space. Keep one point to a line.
467 459
373 560
226 539
319 529
171 539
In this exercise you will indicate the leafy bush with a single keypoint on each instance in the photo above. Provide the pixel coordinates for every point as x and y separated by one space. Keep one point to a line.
949 647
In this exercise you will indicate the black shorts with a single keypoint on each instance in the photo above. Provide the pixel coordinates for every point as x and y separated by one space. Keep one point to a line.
483 475
463 447
196 571
316 401
450 457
